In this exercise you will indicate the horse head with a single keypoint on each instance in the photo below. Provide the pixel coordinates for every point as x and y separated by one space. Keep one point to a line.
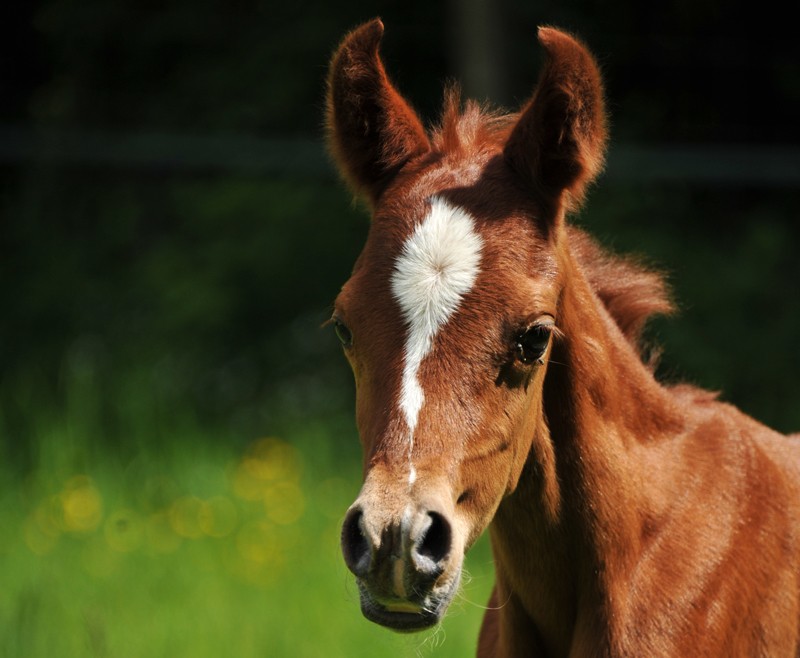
450 317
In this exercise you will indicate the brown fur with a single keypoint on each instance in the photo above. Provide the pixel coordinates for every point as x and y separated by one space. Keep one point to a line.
627 518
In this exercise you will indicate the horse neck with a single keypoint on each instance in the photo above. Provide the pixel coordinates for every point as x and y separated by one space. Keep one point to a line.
565 541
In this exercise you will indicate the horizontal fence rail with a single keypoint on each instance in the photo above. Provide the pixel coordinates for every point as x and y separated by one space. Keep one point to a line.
759 165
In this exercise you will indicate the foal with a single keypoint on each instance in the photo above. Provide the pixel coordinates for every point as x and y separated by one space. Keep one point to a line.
499 385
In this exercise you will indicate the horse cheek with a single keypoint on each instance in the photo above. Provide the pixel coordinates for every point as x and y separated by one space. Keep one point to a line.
526 418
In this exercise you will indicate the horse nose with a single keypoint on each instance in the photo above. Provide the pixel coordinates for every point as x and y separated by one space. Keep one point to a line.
432 547
403 556
356 548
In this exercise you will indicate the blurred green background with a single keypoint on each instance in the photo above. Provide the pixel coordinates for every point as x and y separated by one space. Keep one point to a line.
177 446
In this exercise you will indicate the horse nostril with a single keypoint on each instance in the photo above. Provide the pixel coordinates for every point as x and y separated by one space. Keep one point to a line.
355 547
434 546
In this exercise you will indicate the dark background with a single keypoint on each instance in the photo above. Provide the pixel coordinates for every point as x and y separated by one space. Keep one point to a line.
172 233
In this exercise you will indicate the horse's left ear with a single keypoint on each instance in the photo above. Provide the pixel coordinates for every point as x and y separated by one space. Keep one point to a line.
558 143
372 130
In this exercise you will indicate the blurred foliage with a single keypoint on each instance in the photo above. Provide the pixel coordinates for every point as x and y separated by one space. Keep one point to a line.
187 287
193 548
157 319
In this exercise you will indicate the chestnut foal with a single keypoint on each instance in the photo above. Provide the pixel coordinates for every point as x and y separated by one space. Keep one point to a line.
499 385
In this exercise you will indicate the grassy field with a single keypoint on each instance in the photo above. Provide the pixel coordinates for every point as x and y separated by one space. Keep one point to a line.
188 546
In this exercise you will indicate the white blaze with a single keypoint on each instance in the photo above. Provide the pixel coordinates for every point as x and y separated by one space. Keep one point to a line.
436 268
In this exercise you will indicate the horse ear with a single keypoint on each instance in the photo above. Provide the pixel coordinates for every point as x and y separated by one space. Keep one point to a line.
558 143
372 131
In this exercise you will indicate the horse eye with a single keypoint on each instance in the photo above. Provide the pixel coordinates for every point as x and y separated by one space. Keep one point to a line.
344 335
531 344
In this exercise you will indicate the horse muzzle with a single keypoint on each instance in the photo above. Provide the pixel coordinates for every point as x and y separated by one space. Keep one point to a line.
407 564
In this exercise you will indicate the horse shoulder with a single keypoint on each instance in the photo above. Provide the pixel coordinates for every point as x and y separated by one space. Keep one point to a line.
719 572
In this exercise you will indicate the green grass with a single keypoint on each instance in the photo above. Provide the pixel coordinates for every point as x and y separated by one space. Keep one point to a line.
191 547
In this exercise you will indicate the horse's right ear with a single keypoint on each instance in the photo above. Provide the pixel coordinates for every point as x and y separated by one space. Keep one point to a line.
372 131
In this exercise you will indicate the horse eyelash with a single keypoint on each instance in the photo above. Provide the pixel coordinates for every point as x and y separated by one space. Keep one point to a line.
555 332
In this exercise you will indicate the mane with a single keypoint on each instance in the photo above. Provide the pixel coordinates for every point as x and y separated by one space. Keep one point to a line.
470 126
630 292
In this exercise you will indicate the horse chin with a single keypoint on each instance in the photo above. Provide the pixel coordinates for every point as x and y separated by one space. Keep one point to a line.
406 616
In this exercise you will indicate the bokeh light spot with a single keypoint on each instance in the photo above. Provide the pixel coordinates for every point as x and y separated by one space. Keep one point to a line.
256 541
49 515
184 517
218 517
273 459
82 505
124 530
284 502
159 534
266 461
36 538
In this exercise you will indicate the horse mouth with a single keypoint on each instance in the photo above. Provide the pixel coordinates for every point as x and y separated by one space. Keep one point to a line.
402 622
408 617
